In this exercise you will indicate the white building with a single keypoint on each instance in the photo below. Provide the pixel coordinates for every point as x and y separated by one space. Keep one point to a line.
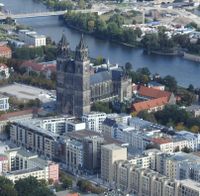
62 124
32 38
4 71
94 120
4 104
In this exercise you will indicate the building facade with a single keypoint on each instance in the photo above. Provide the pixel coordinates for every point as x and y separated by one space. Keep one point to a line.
109 154
94 121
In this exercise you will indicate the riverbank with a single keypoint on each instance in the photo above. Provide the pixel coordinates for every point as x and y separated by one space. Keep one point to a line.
191 57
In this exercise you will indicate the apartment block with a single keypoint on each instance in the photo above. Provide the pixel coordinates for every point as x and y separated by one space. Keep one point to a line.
92 153
74 155
23 163
109 154
94 120
34 138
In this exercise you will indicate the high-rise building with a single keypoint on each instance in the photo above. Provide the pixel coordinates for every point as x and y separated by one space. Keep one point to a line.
109 154
92 153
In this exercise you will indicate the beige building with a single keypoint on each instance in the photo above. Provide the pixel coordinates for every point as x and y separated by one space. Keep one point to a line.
109 154
188 188
22 163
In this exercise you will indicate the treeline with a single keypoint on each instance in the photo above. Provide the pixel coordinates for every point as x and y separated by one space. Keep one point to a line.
110 29
161 42
57 5
47 53
173 116
29 186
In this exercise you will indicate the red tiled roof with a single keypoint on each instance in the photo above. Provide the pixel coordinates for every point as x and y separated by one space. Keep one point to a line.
14 114
152 92
146 105
72 194
39 66
5 49
161 140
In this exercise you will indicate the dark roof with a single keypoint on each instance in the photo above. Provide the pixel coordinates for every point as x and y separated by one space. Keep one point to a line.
117 74
100 77
109 122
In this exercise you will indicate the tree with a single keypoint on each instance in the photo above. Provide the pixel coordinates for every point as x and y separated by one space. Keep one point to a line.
30 186
186 149
190 88
84 185
170 82
67 182
7 187
128 67
81 4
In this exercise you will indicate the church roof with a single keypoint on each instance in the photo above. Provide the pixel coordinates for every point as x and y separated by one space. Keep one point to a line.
100 77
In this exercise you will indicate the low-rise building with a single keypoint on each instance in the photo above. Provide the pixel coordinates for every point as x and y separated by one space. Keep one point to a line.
32 38
4 104
4 71
194 110
5 52
23 163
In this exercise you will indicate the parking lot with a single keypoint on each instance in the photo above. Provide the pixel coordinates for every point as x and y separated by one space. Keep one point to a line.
22 91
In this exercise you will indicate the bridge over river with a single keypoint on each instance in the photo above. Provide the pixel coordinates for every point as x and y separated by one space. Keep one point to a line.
40 14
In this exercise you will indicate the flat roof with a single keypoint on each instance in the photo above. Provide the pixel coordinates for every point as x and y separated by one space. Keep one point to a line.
191 184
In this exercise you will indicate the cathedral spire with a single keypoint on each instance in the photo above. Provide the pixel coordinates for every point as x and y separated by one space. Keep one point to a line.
81 51
63 46
82 43
63 40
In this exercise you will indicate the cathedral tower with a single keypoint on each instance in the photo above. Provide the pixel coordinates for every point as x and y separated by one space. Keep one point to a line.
73 79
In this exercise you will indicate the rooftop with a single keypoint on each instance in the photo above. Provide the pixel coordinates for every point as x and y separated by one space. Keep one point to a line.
192 184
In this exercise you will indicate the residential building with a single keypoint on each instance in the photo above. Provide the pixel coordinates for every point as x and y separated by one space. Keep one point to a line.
34 138
3 164
109 154
156 85
4 71
24 163
16 116
45 68
5 52
32 38
74 156
4 104
62 124
188 188
94 120
92 153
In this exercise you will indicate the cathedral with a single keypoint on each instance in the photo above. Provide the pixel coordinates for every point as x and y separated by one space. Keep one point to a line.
77 86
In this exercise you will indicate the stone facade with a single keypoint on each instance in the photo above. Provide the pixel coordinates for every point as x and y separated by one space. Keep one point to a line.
77 87
73 79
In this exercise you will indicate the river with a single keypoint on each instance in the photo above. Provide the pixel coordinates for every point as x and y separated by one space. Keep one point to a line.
186 72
